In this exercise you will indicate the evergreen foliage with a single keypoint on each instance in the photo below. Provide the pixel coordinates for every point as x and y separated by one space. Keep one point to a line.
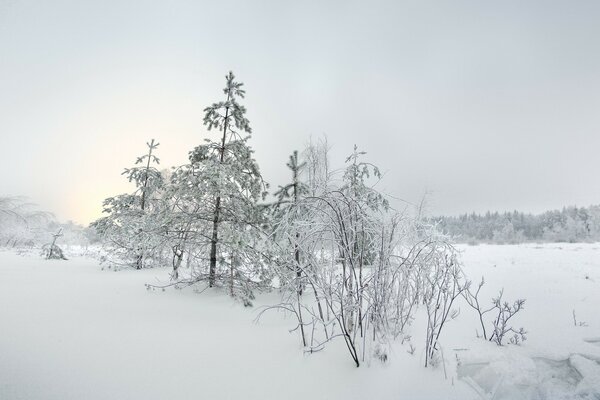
129 230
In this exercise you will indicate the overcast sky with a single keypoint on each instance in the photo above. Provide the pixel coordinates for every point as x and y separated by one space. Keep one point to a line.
484 105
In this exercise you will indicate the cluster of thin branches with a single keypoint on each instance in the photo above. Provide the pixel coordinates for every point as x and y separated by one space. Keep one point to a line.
351 268
502 312
443 285
21 223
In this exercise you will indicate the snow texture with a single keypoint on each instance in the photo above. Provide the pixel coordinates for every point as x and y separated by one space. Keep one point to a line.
71 330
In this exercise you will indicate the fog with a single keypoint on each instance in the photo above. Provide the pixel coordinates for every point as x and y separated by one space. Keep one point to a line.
484 106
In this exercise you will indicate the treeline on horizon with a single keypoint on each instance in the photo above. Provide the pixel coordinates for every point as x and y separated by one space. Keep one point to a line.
571 224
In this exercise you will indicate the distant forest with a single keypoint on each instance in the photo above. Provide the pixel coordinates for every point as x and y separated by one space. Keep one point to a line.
571 224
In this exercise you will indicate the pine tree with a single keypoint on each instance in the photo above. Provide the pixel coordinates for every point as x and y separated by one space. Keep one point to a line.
144 178
213 119
223 184
129 228
287 196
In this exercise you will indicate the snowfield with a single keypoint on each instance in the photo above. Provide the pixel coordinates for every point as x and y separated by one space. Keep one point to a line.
559 360
70 330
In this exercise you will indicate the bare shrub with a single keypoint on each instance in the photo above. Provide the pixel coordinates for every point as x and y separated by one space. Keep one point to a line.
503 311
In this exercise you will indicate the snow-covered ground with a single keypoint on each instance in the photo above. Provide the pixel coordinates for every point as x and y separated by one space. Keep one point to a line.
559 360
69 330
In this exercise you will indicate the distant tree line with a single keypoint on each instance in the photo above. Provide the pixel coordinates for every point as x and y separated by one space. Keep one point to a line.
571 224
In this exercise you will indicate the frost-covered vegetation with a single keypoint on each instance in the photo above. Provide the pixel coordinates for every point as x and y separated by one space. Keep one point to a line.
348 266
571 224
352 275
23 225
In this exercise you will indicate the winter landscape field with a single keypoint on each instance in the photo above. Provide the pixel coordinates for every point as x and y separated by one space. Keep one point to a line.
274 199
71 330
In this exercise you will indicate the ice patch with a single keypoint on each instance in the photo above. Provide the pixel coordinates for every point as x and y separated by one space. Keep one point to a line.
589 387
576 377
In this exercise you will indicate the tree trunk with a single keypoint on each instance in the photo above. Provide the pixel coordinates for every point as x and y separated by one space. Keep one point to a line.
213 244
215 234
177 258
296 248
139 262
146 177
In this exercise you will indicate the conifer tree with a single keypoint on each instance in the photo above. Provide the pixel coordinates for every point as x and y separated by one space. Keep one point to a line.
129 228
224 184
288 196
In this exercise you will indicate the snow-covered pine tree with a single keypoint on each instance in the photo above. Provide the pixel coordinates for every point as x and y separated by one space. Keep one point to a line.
223 185
288 197
295 189
129 229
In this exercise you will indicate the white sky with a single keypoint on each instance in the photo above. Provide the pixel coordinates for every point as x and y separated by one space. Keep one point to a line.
485 105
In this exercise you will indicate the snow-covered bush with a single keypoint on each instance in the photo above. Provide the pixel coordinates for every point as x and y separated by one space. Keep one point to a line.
504 312
443 284
501 311
21 224
51 251
364 268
